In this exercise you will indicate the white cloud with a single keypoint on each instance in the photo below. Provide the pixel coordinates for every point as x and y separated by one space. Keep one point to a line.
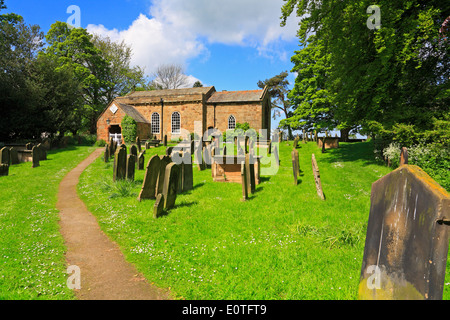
178 30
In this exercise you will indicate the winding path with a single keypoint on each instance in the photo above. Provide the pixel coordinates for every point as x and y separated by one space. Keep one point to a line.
105 275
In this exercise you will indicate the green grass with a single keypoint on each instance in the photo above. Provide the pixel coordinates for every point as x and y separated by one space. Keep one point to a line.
283 243
32 264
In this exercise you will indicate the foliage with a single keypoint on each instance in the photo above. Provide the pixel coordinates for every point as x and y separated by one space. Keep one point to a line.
129 129
169 76
197 84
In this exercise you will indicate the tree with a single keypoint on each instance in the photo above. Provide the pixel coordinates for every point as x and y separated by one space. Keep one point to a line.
129 129
170 76
197 84
278 90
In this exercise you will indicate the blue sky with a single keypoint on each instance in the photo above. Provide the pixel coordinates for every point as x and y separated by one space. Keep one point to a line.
230 44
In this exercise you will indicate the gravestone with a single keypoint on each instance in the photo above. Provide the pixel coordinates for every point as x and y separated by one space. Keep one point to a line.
13 156
106 153
406 245
250 171
29 146
171 185
158 207
276 155
111 147
316 173
141 160
131 166
207 156
138 144
165 160
169 151
404 156
42 152
295 165
165 140
269 148
4 169
134 151
149 185
244 181
5 156
35 157
198 158
120 164
187 174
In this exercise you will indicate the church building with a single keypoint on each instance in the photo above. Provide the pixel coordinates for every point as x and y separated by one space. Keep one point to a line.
173 112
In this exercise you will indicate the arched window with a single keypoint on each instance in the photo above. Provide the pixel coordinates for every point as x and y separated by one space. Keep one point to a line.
176 122
231 122
155 123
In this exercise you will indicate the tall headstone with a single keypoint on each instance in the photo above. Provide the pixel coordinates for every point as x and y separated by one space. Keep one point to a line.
149 185
13 156
244 181
295 142
250 171
165 140
106 153
138 144
131 166
187 173
111 147
407 238
316 173
404 156
134 151
120 164
141 159
4 169
35 157
276 155
171 185
5 156
165 160
158 207
42 152
295 165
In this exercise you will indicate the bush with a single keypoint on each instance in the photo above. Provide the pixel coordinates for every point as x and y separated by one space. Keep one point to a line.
129 129
100 143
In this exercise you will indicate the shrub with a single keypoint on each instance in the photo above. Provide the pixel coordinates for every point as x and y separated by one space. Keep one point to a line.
100 143
129 129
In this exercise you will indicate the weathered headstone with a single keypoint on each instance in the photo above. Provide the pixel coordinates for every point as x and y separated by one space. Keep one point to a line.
250 171
111 147
295 165
171 185
120 164
141 159
5 156
407 238
169 151
244 181
149 185
138 144
295 144
35 157
134 151
29 146
276 155
106 153
404 156
165 160
131 166
165 140
42 152
13 156
207 156
158 207
316 173
4 169
187 174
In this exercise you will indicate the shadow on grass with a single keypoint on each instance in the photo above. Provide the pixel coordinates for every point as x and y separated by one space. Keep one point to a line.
349 152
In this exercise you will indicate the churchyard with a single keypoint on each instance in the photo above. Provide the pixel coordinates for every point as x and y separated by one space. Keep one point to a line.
299 234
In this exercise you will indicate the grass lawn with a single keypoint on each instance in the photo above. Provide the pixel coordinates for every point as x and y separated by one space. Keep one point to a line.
32 264
284 243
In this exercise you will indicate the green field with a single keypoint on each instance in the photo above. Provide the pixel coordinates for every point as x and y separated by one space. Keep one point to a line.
32 264
283 243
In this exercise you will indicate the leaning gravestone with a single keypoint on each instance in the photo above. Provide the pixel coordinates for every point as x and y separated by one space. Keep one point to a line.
171 185
14 156
295 165
407 240
141 159
131 166
158 207
316 173
149 186
5 156
35 157
4 169
165 160
120 164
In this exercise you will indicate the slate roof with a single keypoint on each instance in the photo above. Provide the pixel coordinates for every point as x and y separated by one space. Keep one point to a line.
132 112
170 92
237 96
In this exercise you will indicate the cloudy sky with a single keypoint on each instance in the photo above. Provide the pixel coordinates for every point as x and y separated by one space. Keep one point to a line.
230 44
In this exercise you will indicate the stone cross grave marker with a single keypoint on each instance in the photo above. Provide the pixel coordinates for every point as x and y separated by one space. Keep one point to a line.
149 185
316 173
407 240
120 164
131 166
295 165
170 188
35 157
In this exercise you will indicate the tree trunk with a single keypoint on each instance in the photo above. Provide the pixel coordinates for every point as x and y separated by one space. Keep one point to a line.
344 134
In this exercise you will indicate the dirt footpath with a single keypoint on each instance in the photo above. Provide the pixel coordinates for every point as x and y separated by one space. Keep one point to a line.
105 275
